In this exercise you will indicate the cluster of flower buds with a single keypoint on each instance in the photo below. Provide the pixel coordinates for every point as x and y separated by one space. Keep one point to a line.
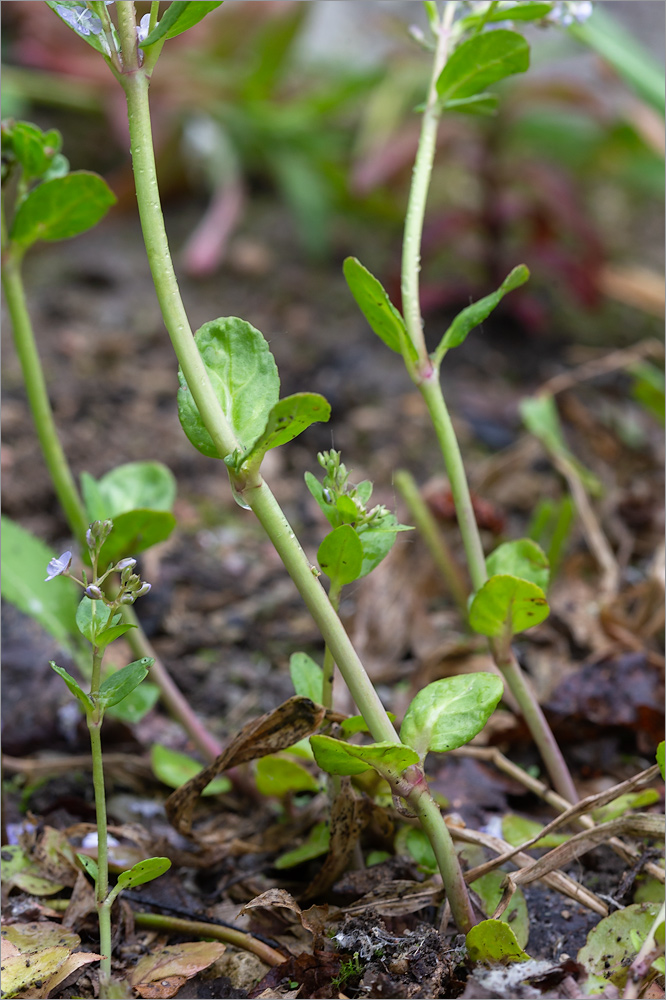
336 483
131 584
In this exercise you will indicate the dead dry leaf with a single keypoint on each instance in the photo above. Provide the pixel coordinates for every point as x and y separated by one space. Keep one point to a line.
165 988
348 818
174 962
271 898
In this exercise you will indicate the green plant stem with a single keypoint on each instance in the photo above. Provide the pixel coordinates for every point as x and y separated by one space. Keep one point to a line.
38 398
437 546
425 157
102 886
211 932
328 669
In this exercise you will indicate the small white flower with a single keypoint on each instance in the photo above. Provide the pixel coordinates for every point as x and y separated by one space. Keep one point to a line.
58 566
82 20
142 29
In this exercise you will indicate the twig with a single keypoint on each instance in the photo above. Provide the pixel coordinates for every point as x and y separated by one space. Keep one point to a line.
216 932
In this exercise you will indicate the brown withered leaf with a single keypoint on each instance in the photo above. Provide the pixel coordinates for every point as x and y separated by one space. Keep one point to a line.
349 816
313 972
399 897
270 899
287 724
166 988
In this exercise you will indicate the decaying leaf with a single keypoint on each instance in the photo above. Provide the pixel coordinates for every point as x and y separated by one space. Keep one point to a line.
37 957
348 818
290 722
271 898
163 972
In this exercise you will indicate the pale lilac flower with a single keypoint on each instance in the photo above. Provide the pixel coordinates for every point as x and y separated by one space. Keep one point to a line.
129 562
142 29
93 592
81 19
143 590
58 566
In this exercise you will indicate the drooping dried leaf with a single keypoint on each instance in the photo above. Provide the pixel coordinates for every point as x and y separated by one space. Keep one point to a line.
271 898
290 722
348 818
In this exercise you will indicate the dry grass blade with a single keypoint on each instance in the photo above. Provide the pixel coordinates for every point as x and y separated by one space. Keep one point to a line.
287 724
554 879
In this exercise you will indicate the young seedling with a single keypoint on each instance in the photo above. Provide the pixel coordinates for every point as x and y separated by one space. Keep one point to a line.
100 623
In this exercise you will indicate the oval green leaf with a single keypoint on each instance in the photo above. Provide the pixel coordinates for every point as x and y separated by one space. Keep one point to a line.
122 682
493 942
336 757
506 605
612 945
174 769
108 635
245 379
61 208
523 558
143 871
357 724
33 148
134 532
374 303
90 625
306 676
133 486
90 866
317 844
137 704
340 555
470 317
483 60
178 17
489 888
74 687
287 419
450 712
279 777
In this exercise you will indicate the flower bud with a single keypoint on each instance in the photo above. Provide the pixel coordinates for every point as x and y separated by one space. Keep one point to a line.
94 592
128 563
127 599
142 591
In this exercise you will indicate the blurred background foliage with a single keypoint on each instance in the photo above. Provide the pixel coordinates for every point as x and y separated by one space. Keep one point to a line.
263 100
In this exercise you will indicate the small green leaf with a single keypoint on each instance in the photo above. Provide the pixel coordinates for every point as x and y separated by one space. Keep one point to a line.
108 635
52 604
378 541
648 388
61 208
412 841
489 888
478 104
357 724
317 844
450 712
33 148
73 686
532 11
340 555
132 486
660 758
517 830
317 491
287 419
492 942
122 682
336 757
347 509
174 769
90 624
278 776
376 306
610 950
178 17
482 60
90 866
470 317
306 676
541 418
143 871
137 704
623 803
506 605
244 376
523 558
135 532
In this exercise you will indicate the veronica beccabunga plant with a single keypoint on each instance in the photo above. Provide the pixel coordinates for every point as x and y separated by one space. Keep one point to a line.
100 623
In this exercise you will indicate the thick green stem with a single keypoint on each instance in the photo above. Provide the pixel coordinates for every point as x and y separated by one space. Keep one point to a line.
328 670
38 398
432 821
536 721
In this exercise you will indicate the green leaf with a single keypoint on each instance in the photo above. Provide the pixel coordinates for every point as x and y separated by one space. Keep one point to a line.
69 11
376 306
377 541
507 12
489 888
135 532
610 950
108 635
73 686
450 712
122 682
623 803
317 843
61 208
137 704
660 758
648 388
517 830
541 418
244 376
143 871
523 558
357 724
90 866
347 509
470 317
492 942
130 487
412 841
306 676
174 769
317 491
178 17
478 104
33 148
92 498
89 625
278 776
506 605
340 555
52 604
480 61
287 419
336 757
